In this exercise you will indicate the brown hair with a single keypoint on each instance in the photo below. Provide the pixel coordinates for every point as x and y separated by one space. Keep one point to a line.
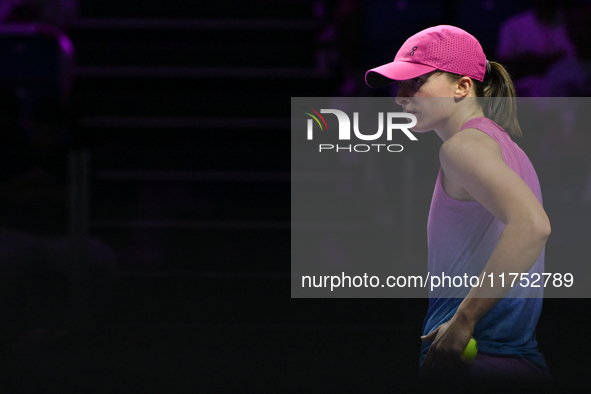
499 102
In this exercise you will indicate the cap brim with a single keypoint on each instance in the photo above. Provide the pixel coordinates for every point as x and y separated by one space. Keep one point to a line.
395 71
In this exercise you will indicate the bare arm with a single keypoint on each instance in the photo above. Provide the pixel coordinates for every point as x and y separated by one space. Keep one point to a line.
473 160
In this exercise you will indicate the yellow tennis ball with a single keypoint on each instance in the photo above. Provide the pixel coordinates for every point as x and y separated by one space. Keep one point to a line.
471 349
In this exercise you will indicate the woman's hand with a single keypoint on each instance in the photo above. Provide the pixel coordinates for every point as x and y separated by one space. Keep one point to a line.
448 343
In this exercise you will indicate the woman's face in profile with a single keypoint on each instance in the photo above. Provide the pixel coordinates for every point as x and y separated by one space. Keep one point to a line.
430 97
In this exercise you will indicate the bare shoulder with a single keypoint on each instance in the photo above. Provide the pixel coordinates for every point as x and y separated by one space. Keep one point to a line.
473 169
469 152
470 145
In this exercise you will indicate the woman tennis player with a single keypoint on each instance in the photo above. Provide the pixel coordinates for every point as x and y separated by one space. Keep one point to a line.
486 216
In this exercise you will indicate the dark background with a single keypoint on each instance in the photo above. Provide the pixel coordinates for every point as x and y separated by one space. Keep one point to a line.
183 107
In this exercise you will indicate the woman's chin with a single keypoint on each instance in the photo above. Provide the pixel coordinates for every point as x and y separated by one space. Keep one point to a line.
419 129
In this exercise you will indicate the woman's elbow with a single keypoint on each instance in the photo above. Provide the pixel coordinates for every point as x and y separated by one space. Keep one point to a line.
536 225
541 227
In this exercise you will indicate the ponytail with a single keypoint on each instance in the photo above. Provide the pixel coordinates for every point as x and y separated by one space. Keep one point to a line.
499 102
497 97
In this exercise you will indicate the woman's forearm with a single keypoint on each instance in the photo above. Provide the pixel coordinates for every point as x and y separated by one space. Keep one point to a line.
517 250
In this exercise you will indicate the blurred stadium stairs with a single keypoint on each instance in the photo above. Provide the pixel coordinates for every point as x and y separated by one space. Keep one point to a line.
185 110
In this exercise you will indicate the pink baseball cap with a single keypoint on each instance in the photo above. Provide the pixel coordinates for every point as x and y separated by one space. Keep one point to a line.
443 47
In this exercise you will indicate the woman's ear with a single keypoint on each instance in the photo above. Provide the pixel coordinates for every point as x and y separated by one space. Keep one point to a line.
464 87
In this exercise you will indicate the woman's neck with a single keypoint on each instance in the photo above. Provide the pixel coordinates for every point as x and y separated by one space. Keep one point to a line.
456 122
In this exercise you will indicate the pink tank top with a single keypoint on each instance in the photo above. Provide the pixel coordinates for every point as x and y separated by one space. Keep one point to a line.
463 234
